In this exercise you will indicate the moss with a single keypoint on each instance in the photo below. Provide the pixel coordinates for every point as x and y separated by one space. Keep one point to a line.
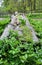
27 36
